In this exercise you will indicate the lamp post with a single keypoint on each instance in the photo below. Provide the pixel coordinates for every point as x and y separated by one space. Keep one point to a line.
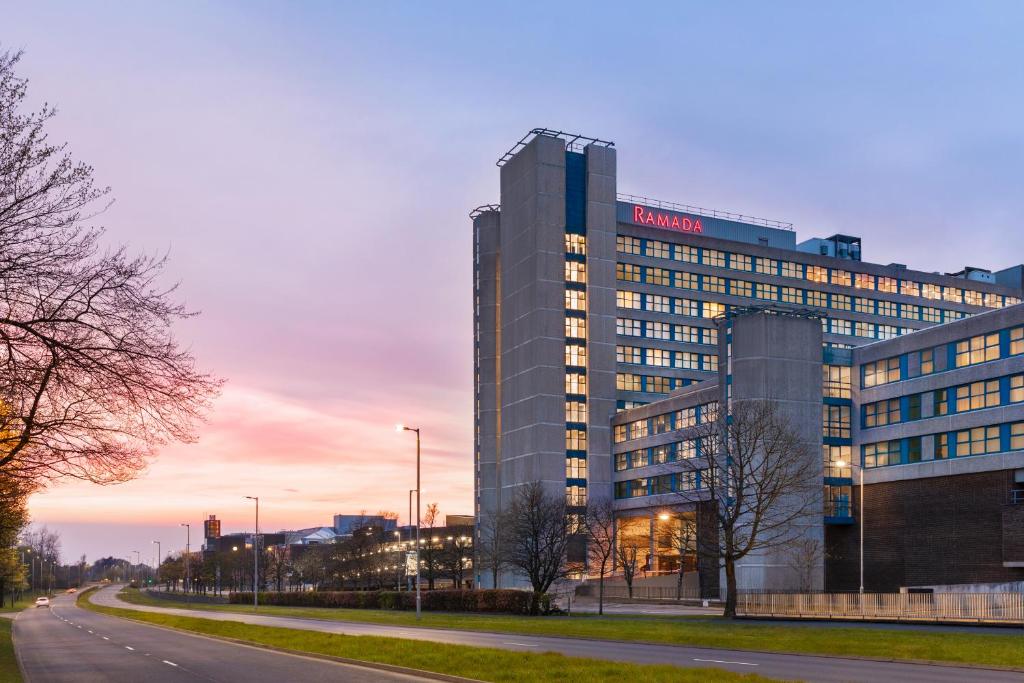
256 556
402 428
159 559
188 569
138 566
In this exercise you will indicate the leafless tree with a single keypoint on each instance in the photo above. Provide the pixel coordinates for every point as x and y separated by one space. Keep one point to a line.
538 535
490 550
758 478
805 555
92 379
431 550
599 529
681 536
627 557
456 555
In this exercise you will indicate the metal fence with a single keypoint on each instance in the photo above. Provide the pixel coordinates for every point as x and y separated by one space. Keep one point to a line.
619 592
995 608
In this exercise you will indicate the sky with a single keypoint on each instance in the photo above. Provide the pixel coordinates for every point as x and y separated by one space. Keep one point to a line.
310 166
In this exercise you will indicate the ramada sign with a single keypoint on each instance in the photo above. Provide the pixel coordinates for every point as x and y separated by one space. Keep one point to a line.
661 219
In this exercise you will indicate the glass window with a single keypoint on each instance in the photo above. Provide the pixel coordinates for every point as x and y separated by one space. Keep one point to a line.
940 398
1017 436
841 302
941 445
713 257
767 266
740 262
791 269
659 385
575 328
882 454
930 291
914 449
688 361
953 294
713 283
687 307
575 383
627 327
816 298
575 244
817 273
841 277
575 354
977 395
659 276
687 280
984 347
836 421
657 330
765 291
575 411
627 245
625 381
1017 389
661 424
886 284
792 295
992 300
658 249
713 309
659 358
914 407
910 288
625 299
977 441
629 354
687 417
972 297
687 253
575 299
836 380
575 468
864 305
575 439
910 312
575 271
864 281
659 303
1017 341
882 413
931 315
840 326
881 372
739 288
887 308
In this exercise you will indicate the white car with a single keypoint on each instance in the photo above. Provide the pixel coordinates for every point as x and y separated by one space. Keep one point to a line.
42 601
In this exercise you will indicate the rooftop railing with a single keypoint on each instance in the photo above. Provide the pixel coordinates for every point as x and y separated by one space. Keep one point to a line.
701 211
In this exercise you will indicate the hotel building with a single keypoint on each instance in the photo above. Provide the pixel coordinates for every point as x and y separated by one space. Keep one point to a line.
599 323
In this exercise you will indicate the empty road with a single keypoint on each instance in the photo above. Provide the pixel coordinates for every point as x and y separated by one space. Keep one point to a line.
66 644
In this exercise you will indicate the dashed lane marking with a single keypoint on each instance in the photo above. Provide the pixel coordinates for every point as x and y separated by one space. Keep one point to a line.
129 647
520 644
722 661
169 663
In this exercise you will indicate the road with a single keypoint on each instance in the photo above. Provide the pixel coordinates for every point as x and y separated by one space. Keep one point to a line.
781 666
66 644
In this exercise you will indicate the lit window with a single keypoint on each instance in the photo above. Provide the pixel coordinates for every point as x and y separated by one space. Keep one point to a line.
619 433
713 309
886 284
977 441
888 332
910 288
790 269
627 382
628 272
768 292
864 305
931 315
627 245
659 303
686 280
659 276
575 468
659 385
792 295
930 291
953 294
709 362
687 417
689 361
881 372
687 254
840 326
887 308
841 302
576 271
836 421
740 262
767 266
882 454
841 277
575 383
739 288
910 312
688 334
817 273
864 281
816 298
977 395
627 299
1017 389
836 381
713 257
687 307
657 330
1017 436
658 249
627 327
575 328
575 496
992 300
882 413
575 300
984 347
629 354
863 329
575 244
575 439
575 411
972 297
576 354
714 284
659 358
1017 341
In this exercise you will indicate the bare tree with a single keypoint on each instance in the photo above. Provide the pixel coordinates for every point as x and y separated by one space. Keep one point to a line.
431 551
92 379
805 555
758 478
490 551
681 536
458 550
599 528
627 557
538 535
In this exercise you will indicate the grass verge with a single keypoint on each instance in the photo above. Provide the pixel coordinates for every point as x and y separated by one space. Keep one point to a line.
958 647
9 670
485 664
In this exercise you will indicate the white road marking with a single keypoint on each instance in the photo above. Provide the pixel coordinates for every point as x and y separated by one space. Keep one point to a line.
90 631
171 663
105 638
722 661
520 644
129 647
79 627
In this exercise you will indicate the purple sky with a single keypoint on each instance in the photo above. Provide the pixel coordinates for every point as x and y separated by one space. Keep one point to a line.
310 167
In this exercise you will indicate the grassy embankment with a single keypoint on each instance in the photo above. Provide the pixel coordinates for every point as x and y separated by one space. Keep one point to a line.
8 664
484 664
918 645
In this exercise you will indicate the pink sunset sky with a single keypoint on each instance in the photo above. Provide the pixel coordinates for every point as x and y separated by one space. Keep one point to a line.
310 167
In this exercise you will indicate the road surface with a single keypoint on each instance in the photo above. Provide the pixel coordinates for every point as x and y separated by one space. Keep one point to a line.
66 644
781 666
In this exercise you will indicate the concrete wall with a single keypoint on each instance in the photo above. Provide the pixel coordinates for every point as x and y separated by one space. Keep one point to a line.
487 359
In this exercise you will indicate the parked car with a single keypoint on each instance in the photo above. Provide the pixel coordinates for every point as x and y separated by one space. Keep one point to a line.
42 601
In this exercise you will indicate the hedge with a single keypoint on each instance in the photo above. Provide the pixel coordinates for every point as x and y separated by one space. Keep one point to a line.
495 601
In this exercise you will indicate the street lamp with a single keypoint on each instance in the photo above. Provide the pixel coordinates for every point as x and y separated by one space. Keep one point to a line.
188 574
403 428
159 559
256 556
860 517
138 563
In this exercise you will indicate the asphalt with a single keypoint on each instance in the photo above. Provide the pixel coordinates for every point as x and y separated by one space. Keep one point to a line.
67 644
809 668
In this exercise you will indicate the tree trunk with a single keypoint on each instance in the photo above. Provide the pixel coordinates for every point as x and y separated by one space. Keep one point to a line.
679 582
730 587
600 594
494 576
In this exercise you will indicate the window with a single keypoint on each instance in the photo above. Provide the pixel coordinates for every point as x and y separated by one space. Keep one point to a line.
887 308
1017 341
920 363
914 407
661 424
767 266
659 385
658 249
575 328
836 381
914 449
881 372
835 454
659 358
882 454
840 326
627 245
686 280
817 273
659 276
657 330
575 439
1017 389
841 302
619 433
815 298
687 417
864 281
625 381
984 347
628 272
863 329
575 300
627 299
575 411
769 292
739 288
575 468
713 309
659 303
977 441
864 305
790 269
575 383
882 413
841 277
688 334
740 262
792 295
1017 436
575 271
953 294
687 254
713 257
977 395
687 307
575 496
972 297
689 361
626 327
886 284
575 244
888 332
930 291
575 354
940 398
910 288
931 315
629 354
714 284
836 421
711 336
910 312
941 445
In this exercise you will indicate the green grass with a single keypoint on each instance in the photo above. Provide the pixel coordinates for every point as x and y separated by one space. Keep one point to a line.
949 647
485 664
9 670
27 600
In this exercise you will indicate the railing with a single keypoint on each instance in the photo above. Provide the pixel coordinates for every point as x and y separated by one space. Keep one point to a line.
618 592
997 608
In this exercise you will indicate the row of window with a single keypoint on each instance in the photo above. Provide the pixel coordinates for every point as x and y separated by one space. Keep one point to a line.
800 271
966 352
660 303
662 484
666 422
959 444
836 381
658 455
835 421
663 358
964 398
575 370
651 275
628 381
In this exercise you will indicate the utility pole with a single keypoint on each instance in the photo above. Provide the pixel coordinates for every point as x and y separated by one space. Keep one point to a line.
417 430
188 572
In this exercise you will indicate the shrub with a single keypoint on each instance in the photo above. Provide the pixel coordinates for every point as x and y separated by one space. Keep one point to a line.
502 601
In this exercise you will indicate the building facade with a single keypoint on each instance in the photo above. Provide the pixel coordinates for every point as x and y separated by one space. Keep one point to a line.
594 310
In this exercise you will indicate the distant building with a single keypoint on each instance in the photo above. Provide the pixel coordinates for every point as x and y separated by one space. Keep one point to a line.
345 524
